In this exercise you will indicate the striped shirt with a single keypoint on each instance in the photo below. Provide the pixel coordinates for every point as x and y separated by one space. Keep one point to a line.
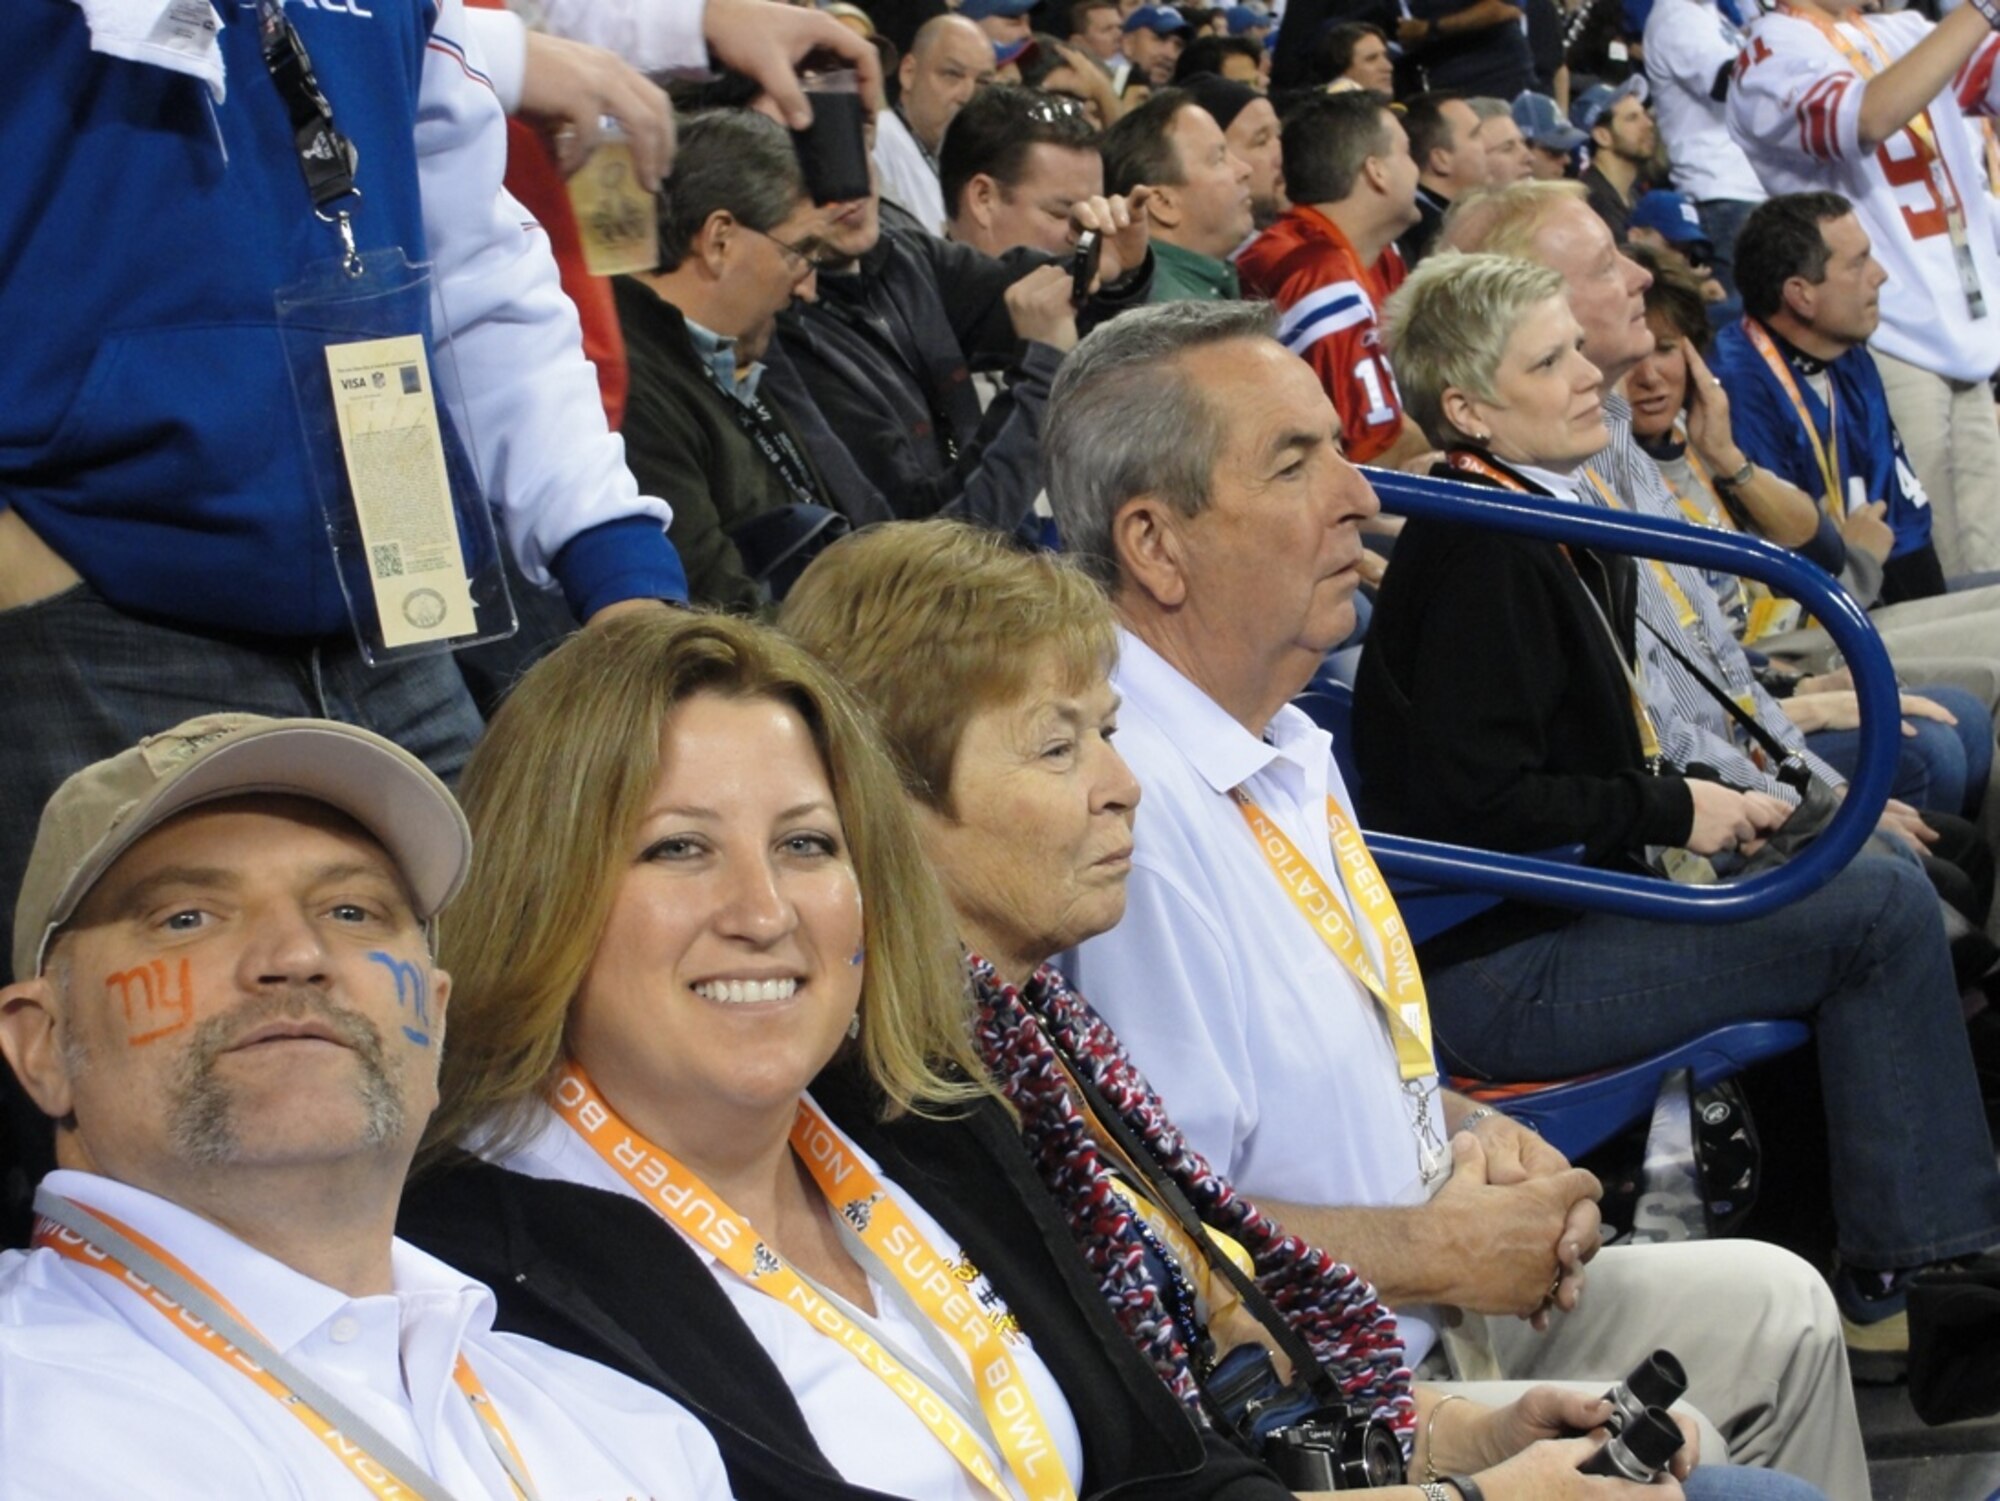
1694 729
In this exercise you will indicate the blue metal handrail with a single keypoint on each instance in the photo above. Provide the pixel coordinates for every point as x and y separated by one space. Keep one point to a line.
1846 622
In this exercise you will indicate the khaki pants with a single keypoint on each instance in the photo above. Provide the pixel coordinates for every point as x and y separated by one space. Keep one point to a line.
1755 1327
1953 439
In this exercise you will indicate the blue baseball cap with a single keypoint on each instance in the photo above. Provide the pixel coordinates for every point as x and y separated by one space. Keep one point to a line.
1242 18
1672 216
1542 124
1589 108
979 10
1161 20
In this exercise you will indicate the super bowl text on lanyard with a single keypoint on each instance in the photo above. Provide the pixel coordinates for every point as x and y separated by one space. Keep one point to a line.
867 1209
1386 969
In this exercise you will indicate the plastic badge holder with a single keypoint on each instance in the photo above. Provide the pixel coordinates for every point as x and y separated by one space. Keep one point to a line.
413 539
616 218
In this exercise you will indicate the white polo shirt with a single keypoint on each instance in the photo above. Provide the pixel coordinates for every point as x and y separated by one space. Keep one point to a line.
865 1430
1687 43
1274 1062
102 1396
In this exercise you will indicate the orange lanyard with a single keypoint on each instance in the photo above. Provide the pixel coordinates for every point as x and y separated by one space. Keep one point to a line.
365 1467
1391 975
1826 454
866 1207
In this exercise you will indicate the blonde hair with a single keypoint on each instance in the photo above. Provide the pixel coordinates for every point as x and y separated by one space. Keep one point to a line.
931 621
1505 221
555 793
1447 328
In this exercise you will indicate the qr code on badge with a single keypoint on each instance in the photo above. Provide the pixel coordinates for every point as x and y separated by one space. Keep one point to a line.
389 560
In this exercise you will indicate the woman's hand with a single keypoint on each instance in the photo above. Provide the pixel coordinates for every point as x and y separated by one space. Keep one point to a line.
1544 1412
1708 424
1725 819
1841 710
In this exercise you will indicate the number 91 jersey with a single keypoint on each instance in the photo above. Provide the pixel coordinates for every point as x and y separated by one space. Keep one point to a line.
1922 195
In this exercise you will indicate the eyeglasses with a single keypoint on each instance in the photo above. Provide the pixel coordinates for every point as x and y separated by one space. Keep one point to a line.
1054 108
810 255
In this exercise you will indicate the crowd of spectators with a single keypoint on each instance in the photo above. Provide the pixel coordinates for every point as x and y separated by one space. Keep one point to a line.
752 457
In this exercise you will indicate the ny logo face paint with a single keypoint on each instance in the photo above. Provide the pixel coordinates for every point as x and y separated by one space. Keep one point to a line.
157 1000
412 995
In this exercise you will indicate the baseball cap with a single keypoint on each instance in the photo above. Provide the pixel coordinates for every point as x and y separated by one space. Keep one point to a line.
106 808
1161 20
1594 103
979 10
1542 124
1670 215
1242 18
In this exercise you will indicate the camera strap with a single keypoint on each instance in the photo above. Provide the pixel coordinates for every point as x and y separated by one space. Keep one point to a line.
1787 765
1306 1366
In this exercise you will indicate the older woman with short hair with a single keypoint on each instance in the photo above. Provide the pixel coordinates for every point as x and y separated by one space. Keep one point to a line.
1498 705
989 669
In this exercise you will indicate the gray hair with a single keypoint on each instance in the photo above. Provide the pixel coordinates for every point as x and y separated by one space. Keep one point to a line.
1488 108
1447 328
1128 416
728 160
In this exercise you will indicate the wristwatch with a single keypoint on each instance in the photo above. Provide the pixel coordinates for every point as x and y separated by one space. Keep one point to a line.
1740 478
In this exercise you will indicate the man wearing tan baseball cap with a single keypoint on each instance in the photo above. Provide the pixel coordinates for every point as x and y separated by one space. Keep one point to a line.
231 1014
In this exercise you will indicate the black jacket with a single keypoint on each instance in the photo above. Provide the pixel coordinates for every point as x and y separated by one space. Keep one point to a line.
887 354
601 1275
1491 710
686 441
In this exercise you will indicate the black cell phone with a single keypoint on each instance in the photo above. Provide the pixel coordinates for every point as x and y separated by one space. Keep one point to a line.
1083 265
833 150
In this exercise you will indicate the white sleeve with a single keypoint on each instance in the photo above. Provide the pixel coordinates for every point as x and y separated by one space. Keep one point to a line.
1684 43
1795 97
651 35
1166 981
1978 84
551 466
501 39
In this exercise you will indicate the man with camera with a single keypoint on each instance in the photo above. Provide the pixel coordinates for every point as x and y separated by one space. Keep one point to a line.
1267 1044
903 320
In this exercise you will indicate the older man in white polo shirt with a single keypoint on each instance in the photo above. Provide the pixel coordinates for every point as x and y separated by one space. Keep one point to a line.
232 1017
1192 463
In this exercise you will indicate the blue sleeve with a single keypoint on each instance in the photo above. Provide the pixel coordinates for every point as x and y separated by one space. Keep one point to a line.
629 558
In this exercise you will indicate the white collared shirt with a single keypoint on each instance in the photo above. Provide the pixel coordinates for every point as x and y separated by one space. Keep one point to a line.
101 1396
863 1428
1271 1058
909 179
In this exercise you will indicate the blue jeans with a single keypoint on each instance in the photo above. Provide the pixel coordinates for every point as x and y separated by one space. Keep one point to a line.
1863 959
1942 768
80 680
1739 1483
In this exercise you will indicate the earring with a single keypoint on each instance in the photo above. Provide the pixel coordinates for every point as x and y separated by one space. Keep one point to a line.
1482 437
854 1025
